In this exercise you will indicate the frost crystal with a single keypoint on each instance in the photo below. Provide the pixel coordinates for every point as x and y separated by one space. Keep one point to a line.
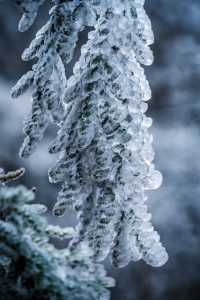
106 155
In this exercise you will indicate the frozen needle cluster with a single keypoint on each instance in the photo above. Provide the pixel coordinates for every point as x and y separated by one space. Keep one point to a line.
105 149
29 12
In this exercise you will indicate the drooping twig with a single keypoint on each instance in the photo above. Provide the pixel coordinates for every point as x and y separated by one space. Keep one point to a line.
11 176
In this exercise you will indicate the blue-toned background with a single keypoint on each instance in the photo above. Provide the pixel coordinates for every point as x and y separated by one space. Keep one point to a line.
175 108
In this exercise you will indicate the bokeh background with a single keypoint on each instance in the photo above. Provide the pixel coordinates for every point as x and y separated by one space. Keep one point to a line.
175 108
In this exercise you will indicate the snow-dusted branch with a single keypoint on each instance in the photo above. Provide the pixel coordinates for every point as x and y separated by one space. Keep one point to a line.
31 267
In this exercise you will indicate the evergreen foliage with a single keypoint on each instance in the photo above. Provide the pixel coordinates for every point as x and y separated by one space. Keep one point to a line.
31 267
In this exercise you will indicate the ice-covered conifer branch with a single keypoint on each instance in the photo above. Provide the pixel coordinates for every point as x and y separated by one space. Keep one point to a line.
53 47
106 155
31 267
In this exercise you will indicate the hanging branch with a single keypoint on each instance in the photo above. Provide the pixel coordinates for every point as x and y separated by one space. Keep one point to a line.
106 155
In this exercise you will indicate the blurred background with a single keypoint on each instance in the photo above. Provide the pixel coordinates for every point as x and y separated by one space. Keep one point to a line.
175 108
